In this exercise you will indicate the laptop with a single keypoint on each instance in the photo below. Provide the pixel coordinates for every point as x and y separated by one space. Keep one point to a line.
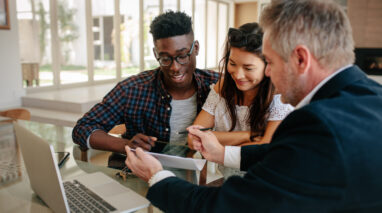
95 192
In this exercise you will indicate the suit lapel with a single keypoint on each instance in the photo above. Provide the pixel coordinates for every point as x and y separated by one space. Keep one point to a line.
338 82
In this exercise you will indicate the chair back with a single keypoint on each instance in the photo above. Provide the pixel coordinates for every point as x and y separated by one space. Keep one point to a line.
22 114
118 129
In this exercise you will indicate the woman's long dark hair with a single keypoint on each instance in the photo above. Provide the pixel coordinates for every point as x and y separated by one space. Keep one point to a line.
249 38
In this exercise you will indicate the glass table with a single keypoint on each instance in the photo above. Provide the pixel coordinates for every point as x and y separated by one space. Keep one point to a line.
16 194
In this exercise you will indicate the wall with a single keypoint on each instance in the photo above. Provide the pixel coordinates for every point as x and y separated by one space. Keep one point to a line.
376 78
10 69
366 18
245 12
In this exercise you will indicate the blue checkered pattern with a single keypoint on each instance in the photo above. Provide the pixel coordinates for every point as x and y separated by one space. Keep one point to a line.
141 103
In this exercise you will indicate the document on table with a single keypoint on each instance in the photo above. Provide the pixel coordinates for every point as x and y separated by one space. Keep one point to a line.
179 162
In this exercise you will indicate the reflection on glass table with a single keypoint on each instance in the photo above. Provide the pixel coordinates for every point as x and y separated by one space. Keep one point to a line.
9 157
104 159
17 195
209 175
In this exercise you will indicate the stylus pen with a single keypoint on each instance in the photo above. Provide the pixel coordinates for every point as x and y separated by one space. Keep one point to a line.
202 129
61 163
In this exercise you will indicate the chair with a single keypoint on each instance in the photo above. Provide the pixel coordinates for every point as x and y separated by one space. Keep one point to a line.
30 73
118 129
22 114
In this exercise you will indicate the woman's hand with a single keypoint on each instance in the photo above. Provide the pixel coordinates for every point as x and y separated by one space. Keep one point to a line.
207 144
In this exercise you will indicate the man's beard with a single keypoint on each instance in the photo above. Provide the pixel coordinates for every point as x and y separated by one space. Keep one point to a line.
292 90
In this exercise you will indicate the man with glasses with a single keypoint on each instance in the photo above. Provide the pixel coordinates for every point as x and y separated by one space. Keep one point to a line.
156 104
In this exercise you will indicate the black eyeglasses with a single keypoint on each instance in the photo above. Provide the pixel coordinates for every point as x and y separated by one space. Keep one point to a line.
238 38
181 59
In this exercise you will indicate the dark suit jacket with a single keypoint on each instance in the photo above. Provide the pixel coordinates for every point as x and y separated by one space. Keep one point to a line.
324 157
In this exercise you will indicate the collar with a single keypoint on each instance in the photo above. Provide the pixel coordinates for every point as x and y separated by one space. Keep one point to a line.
306 100
160 85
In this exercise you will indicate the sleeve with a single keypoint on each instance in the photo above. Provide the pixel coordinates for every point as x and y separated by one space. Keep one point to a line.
104 116
160 176
211 101
292 176
278 110
232 156
252 154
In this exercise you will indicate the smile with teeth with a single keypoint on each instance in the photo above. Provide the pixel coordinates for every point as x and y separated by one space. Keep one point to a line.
240 82
178 77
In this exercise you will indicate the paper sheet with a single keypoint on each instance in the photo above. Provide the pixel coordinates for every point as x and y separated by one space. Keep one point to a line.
179 162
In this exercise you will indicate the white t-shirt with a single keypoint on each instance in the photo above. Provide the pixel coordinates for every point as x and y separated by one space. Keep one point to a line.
216 106
183 114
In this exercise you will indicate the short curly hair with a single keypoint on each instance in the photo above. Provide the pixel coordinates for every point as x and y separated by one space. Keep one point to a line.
171 24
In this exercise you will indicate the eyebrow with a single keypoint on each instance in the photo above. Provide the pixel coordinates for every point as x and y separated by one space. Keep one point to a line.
177 51
245 65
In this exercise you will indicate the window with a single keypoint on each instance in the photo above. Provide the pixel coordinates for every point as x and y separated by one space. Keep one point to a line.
170 5
68 43
130 39
186 6
35 42
72 37
150 11
222 29
103 34
200 32
212 33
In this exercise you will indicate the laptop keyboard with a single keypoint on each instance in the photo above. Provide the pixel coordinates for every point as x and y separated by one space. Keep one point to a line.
82 199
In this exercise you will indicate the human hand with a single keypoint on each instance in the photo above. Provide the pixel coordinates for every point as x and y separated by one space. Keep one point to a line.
207 144
142 164
190 139
256 141
143 141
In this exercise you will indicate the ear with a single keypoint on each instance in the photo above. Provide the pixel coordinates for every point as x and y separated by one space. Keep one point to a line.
301 58
196 47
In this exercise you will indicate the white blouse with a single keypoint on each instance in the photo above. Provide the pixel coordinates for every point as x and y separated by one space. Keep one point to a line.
216 106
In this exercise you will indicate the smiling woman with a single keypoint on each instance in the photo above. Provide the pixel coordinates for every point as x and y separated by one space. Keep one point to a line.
242 107
4 15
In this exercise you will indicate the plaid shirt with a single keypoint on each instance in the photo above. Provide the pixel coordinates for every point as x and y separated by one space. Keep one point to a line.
142 103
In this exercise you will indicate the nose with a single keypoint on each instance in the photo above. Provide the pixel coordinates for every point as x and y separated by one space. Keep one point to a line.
175 66
268 71
238 73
